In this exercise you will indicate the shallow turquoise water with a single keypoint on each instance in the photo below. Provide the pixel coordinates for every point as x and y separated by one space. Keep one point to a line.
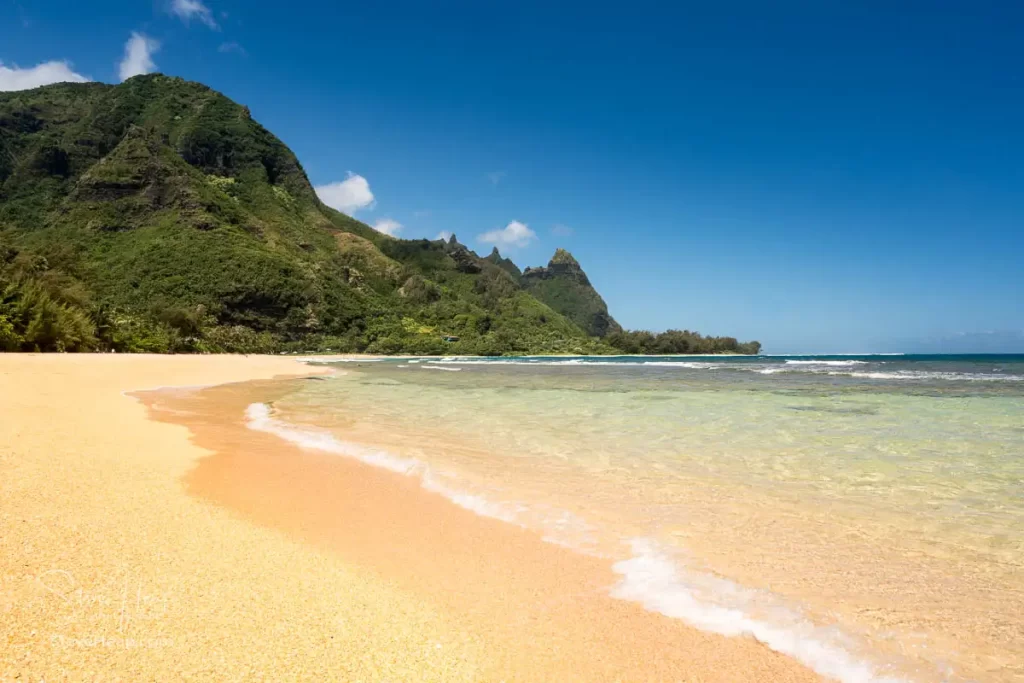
868 504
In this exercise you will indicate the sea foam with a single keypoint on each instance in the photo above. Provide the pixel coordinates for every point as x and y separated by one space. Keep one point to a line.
653 580
650 577
896 375
688 365
925 375
509 361
259 417
835 363
576 362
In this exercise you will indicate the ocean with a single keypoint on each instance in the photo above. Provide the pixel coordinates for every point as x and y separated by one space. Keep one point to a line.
863 514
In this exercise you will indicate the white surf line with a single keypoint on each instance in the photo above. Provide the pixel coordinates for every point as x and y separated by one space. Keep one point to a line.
649 577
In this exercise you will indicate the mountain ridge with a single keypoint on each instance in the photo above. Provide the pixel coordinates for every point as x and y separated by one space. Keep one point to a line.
564 286
158 215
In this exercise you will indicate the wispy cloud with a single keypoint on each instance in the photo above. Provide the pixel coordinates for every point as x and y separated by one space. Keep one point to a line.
561 230
388 226
348 196
443 235
138 56
232 48
496 177
515 234
14 78
423 213
26 22
187 10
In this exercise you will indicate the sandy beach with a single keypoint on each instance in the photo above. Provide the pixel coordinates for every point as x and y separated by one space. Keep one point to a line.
135 548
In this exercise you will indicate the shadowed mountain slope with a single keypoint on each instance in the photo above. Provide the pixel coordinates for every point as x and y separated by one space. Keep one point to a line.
564 286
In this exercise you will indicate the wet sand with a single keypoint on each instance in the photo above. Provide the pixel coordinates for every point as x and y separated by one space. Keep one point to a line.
136 549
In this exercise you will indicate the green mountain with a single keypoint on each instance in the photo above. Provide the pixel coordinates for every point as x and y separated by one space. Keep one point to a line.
565 287
157 215
505 264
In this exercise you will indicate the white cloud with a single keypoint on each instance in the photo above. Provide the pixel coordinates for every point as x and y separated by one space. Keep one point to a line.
348 196
443 235
496 177
515 234
187 10
232 47
561 230
138 56
388 226
13 78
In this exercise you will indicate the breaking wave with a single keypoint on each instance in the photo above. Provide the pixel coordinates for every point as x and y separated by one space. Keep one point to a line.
925 375
649 577
652 579
690 365
835 363
259 417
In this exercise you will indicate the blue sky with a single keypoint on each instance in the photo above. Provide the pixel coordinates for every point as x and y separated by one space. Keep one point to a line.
819 175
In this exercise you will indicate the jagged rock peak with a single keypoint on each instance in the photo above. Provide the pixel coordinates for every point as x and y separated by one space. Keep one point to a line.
563 257
505 264
465 260
562 264
564 286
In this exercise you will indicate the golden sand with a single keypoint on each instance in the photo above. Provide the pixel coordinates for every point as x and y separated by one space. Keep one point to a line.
125 554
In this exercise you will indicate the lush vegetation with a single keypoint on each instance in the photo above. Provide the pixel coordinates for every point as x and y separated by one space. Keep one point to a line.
566 288
157 216
36 311
672 342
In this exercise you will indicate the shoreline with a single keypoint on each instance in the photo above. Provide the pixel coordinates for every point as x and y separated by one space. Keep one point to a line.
231 585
